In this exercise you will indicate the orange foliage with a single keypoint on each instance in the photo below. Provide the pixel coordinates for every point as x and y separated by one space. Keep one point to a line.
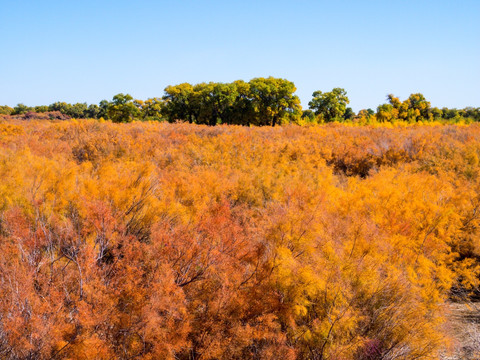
161 241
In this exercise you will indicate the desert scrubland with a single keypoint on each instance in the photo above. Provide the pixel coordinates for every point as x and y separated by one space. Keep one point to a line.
180 241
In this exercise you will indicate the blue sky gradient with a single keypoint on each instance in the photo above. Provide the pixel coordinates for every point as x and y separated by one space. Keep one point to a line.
86 51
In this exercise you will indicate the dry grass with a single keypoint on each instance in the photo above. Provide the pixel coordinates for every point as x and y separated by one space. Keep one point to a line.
463 323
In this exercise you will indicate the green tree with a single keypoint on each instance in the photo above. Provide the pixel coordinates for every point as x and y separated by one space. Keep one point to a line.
437 113
63 107
41 109
349 114
152 109
214 101
122 108
78 111
103 105
92 111
386 113
274 101
472 113
331 105
21 109
242 111
365 114
415 108
308 115
419 108
6 110
179 103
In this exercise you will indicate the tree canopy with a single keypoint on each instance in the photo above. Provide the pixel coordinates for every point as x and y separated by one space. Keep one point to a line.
330 105
261 101
122 108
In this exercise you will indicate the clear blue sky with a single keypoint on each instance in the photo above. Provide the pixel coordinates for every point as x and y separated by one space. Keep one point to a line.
86 51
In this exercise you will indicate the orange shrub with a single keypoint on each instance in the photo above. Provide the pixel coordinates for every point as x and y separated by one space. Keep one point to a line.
176 241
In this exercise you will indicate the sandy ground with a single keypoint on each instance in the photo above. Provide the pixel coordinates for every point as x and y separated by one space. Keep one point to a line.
464 327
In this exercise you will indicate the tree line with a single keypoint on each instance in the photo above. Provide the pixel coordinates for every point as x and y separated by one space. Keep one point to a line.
261 101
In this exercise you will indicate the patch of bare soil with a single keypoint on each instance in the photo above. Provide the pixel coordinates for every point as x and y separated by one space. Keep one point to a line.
463 326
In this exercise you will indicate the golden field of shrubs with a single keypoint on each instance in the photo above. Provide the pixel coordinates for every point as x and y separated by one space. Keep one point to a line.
181 241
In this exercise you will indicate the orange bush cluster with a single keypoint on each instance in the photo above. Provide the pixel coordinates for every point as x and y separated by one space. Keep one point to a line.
177 241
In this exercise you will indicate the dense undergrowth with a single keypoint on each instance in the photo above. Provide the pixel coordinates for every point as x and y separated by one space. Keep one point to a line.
177 241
